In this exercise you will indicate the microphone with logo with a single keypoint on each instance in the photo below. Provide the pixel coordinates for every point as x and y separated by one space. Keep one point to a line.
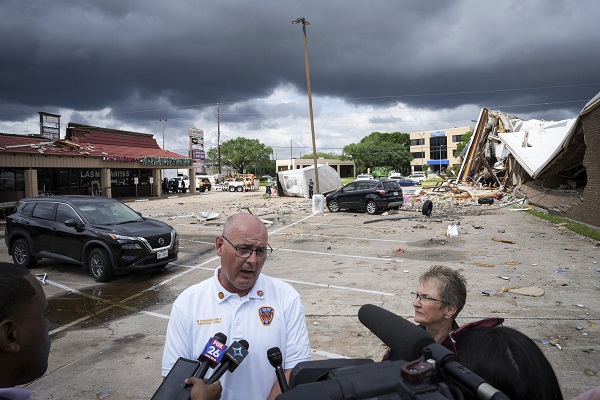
276 359
234 356
174 387
212 354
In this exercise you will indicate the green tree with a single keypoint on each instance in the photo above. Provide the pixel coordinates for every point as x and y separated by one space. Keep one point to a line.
243 155
379 150
460 146
330 156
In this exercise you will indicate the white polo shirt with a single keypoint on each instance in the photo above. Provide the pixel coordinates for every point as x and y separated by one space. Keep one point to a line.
270 315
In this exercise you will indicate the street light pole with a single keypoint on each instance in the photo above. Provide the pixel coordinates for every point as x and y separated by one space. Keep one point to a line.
304 22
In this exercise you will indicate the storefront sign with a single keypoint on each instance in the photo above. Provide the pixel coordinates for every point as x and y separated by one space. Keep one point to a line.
166 161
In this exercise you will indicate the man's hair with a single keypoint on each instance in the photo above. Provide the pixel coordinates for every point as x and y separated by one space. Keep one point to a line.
510 361
452 285
15 289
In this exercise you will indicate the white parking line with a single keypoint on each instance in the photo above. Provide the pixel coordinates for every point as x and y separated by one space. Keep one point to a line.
343 237
337 287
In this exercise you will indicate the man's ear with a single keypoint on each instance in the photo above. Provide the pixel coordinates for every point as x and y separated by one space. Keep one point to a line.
8 337
219 245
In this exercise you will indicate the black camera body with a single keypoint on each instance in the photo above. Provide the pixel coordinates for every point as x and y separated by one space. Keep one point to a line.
366 379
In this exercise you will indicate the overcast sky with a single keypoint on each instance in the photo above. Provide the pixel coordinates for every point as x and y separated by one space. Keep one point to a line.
375 66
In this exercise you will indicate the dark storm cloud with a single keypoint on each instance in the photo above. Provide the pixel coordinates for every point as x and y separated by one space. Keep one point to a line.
147 59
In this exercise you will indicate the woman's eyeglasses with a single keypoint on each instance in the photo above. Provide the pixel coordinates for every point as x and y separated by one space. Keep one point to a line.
427 299
245 252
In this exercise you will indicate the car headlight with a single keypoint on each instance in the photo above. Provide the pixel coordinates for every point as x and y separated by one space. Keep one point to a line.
121 237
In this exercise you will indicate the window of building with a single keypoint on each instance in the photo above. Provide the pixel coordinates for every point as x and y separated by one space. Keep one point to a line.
418 154
456 138
417 142
438 148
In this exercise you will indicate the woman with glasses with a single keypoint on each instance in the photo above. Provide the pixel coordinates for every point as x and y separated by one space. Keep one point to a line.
441 295
242 303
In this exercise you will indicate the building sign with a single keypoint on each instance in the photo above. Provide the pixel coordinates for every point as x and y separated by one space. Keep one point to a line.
437 134
166 161
49 125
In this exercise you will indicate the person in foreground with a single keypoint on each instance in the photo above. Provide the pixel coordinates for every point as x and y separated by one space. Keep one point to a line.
442 294
24 338
508 360
242 303
201 391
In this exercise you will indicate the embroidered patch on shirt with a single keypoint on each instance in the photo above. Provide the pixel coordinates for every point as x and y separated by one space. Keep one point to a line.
208 321
266 315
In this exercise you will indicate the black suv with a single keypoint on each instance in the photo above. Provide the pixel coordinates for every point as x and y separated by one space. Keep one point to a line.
373 195
99 233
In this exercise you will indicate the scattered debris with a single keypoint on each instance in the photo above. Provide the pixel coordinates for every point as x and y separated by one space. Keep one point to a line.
528 291
206 216
506 278
503 240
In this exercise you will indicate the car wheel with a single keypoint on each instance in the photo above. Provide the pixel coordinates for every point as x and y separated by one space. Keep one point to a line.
100 265
231 189
427 208
239 188
21 254
333 206
201 189
371 207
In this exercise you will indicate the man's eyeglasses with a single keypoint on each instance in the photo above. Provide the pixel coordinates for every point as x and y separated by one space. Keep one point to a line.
245 252
427 299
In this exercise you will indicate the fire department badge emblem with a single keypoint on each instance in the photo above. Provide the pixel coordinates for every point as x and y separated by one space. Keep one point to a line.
266 315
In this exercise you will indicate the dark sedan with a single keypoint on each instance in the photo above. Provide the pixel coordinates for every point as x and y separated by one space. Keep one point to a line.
374 195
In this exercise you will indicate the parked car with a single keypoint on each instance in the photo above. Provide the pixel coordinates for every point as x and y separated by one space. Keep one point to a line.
395 177
407 182
364 177
100 234
372 195
417 176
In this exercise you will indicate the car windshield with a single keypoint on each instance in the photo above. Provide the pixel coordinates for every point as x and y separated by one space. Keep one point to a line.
109 213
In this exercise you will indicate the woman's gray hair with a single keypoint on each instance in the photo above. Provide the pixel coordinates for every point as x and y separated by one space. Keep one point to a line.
452 285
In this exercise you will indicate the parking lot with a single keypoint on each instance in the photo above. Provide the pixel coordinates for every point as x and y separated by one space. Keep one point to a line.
107 339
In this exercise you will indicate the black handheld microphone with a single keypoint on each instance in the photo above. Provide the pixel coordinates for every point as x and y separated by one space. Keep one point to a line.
276 359
234 355
212 354
403 337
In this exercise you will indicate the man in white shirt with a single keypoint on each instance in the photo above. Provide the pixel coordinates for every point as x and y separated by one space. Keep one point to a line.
242 303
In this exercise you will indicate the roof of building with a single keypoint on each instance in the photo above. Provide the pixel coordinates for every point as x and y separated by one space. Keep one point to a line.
83 140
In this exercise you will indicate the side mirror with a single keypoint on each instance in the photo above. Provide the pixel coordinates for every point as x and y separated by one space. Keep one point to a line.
73 223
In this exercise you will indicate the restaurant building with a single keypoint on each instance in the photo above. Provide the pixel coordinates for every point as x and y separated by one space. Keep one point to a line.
90 160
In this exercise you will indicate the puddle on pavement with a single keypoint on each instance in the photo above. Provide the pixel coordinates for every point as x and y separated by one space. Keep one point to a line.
106 302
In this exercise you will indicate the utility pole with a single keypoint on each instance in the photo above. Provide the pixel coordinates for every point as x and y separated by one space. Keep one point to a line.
219 136
163 121
304 22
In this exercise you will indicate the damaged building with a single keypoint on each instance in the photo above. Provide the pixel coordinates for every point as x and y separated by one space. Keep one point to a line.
551 163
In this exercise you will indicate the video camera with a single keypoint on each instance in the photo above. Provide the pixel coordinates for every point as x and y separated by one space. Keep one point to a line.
435 374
